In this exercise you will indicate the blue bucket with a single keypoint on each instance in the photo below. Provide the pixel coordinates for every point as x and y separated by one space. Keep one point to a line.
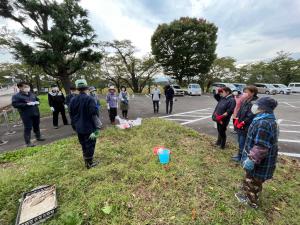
164 156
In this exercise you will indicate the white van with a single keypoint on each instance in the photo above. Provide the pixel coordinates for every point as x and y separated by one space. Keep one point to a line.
295 87
194 89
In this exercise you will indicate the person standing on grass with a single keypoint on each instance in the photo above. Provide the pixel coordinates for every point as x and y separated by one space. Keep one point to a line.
261 150
56 100
112 104
222 114
244 118
155 98
124 102
84 116
93 93
169 93
27 104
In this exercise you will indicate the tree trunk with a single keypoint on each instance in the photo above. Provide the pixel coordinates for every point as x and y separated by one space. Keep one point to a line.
135 85
66 82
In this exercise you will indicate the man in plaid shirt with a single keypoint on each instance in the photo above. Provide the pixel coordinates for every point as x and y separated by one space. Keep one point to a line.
260 153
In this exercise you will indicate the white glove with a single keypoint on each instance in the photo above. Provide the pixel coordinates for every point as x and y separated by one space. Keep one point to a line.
108 107
66 107
31 103
37 102
52 109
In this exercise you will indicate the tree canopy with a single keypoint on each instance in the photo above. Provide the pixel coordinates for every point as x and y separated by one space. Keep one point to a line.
63 40
185 47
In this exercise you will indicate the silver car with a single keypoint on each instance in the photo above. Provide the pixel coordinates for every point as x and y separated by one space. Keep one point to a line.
282 89
264 88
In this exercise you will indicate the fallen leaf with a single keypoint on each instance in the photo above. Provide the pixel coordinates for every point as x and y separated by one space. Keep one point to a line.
276 208
194 215
107 209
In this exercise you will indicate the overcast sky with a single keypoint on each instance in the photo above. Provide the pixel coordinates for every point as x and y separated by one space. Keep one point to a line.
249 30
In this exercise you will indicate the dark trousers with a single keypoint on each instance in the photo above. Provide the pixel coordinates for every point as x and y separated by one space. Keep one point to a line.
30 122
221 134
169 106
156 106
87 145
241 140
252 187
63 115
112 114
124 113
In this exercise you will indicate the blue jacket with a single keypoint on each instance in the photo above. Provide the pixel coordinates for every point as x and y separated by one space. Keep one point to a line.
225 104
20 100
82 111
263 132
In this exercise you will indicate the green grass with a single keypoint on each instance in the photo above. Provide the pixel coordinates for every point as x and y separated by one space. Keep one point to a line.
197 188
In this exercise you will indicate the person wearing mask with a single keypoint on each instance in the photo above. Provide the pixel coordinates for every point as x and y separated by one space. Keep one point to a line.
112 104
93 93
73 93
27 104
56 100
244 118
169 93
155 98
84 116
124 102
222 113
261 150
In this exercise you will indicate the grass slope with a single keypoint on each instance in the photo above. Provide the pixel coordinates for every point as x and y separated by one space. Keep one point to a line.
197 188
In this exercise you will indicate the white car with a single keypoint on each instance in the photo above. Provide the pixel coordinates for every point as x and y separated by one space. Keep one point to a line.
177 90
282 89
194 89
215 86
295 87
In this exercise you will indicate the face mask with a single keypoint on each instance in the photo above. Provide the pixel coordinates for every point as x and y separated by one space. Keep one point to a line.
235 93
26 90
254 109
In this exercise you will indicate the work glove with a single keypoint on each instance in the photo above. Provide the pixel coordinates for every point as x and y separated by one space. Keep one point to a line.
66 107
37 102
108 108
31 103
235 122
219 118
52 109
248 164
240 125
95 135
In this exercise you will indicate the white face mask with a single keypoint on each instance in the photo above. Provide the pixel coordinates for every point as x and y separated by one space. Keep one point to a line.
26 90
254 109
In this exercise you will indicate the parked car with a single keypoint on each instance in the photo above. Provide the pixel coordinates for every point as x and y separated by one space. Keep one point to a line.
295 87
194 89
264 88
215 86
282 89
240 86
177 90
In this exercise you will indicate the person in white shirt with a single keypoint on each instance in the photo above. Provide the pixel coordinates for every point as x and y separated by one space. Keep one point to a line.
155 98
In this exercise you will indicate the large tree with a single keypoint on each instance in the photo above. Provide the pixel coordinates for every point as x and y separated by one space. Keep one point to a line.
63 40
185 47
135 71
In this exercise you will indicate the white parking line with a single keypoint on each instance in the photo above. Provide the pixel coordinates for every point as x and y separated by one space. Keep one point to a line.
289 140
290 105
297 155
196 120
178 119
290 131
290 125
185 113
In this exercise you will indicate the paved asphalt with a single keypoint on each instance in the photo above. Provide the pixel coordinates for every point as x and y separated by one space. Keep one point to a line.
194 112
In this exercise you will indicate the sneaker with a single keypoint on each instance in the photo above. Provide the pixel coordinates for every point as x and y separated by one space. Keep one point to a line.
241 197
236 158
252 205
29 145
40 139
55 127
90 164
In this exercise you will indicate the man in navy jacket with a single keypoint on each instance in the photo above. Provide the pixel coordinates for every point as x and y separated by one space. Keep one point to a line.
27 104
84 116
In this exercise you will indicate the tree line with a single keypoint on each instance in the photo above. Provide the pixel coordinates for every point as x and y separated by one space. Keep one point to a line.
63 47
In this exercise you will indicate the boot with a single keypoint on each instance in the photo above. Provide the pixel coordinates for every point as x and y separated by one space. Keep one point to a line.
89 163
29 145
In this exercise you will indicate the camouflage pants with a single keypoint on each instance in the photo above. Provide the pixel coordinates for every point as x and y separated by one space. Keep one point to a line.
252 187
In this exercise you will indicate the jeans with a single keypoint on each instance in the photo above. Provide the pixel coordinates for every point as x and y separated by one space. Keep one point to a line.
155 106
30 122
241 141
169 105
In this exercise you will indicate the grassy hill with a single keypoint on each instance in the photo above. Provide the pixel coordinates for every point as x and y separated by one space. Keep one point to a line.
197 188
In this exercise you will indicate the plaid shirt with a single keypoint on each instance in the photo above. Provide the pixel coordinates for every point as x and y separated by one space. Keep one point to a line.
263 132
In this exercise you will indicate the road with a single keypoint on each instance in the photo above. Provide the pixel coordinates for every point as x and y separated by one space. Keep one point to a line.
194 112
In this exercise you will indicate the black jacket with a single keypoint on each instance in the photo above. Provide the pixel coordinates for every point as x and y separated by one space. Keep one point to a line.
82 112
20 100
56 101
245 114
169 93
225 104
69 98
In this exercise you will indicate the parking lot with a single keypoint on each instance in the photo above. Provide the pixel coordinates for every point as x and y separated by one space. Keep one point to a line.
196 111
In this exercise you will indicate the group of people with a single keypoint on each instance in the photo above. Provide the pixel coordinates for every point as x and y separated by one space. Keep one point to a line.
257 134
